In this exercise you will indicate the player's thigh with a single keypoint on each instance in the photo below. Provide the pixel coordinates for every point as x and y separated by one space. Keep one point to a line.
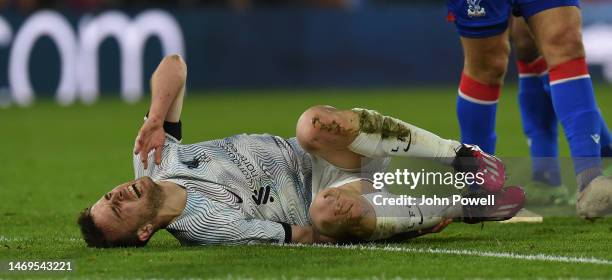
558 33
483 28
327 132
523 41
327 175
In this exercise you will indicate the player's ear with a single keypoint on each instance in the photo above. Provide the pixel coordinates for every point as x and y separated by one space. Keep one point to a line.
145 232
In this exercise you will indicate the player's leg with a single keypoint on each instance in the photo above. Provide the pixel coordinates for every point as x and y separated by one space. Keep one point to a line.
344 137
537 112
558 33
348 213
483 30
527 52
485 62
606 138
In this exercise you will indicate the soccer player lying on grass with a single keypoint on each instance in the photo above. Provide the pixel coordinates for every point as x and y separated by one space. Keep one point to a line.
266 189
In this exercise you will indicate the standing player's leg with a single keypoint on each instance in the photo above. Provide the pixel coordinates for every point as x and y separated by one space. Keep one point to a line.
485 62
483 29
537 112
558 33
606 138
538 119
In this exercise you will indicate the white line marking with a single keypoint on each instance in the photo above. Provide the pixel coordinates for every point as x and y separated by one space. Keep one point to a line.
52 239
503 255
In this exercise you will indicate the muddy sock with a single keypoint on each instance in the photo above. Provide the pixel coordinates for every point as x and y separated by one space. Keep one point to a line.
382 136
396 219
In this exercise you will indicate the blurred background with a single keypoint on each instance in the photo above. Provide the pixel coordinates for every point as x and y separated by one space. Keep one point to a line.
83 49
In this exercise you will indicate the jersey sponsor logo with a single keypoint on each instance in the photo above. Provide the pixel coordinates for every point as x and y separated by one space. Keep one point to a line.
238 198
246 167
262 196
474 9
595 138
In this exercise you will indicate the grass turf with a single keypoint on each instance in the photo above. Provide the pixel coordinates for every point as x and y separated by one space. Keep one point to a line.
57 160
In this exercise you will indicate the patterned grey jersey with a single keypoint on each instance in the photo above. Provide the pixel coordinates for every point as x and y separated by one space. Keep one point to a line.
239 188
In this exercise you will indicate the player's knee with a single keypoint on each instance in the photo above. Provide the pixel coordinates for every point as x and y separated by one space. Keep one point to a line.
498 61
497 68
323 214
563 45
317 126
490 66
306 131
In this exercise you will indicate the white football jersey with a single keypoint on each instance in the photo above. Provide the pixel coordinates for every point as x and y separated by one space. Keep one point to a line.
241 189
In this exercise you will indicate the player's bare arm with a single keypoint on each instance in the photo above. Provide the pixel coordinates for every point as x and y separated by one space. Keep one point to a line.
167 92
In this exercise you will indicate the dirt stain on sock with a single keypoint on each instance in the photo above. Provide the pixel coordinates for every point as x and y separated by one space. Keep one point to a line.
371 121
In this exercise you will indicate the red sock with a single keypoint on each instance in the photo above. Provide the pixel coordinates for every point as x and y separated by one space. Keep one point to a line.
531 69
477 92
568 71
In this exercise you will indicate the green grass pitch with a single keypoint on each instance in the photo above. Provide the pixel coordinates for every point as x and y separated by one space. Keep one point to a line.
57 160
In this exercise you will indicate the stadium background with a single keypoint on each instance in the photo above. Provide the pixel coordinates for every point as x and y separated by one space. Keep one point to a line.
246 44
253 67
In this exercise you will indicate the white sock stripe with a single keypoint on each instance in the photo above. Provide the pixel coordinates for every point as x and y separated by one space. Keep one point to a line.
477 101
552 83
459 252
530 75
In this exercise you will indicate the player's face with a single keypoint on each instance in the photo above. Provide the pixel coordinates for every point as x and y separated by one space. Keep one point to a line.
127 207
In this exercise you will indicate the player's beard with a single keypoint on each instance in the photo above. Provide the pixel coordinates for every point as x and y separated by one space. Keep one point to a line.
155 199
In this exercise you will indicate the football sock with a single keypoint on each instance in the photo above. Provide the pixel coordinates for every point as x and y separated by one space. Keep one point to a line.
476 109
395 219
539 121
382 136
606 139
574 102
606 136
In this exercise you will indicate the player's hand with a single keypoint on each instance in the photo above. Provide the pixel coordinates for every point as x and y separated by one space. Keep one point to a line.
150 137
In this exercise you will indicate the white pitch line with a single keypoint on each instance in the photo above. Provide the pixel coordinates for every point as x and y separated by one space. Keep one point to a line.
539 257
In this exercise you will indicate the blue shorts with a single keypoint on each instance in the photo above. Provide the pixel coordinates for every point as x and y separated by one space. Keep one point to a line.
486 18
